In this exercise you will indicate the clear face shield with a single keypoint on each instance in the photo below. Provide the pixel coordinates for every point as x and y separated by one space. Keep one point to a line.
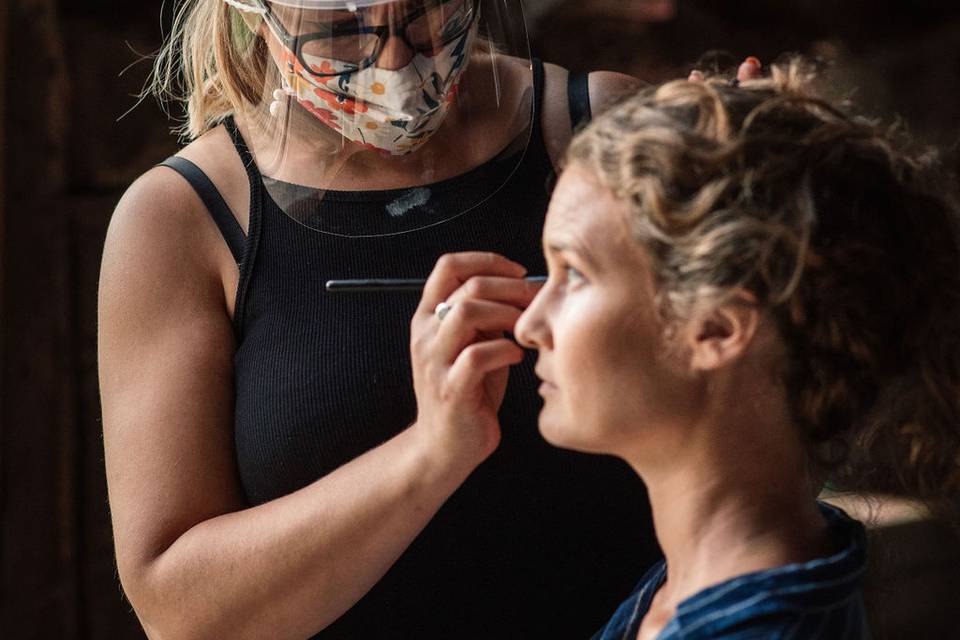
388 102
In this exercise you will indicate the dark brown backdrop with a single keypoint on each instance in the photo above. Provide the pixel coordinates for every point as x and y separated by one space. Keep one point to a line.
66 159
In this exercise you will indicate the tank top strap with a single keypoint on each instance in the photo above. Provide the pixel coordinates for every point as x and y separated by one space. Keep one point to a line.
539 80
230 124
578 99
539 156
255 224
226 222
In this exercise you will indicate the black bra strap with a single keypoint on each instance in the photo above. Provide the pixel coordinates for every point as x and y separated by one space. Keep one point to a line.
222 216
578 97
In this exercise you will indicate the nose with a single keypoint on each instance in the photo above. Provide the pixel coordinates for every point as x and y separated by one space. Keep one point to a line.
531 330
396 54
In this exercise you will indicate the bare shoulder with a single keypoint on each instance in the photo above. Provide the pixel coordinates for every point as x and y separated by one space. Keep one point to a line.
164 217
605 87
160 225
609 87
161 268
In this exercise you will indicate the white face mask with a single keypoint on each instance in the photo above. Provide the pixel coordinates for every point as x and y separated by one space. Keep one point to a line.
393 111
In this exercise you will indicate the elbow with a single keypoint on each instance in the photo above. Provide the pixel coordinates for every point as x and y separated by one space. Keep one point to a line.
145 599
164 611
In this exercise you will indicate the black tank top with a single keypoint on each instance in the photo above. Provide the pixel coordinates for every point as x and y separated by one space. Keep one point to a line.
539 542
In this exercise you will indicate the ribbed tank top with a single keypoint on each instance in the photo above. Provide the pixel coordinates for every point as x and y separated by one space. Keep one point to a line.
539 542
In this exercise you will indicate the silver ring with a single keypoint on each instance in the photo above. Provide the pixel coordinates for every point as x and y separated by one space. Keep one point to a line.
442 310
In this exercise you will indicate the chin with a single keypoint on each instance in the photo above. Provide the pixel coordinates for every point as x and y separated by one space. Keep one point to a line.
565 436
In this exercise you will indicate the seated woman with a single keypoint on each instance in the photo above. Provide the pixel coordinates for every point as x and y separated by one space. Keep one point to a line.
750 293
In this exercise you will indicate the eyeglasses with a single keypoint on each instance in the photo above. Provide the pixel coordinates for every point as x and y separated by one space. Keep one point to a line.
343 38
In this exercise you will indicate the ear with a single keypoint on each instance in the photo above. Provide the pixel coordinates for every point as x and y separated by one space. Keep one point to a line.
721 335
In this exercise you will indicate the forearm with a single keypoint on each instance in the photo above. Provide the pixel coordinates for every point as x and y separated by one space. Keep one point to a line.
290 567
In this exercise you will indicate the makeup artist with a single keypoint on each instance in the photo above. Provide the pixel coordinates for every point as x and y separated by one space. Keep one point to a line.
275 470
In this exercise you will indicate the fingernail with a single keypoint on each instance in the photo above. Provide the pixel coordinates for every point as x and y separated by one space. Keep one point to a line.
754 61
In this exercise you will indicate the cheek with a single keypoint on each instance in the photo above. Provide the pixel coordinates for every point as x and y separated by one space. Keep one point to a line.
598 367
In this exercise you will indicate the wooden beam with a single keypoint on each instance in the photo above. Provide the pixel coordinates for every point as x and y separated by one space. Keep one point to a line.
38 551
4 45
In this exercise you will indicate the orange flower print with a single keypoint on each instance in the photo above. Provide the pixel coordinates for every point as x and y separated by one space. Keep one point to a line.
325 116
338 102
291 62
324 68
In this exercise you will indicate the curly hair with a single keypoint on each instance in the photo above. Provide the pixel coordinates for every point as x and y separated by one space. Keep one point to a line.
842 236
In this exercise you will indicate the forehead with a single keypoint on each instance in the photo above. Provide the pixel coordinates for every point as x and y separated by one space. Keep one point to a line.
582 211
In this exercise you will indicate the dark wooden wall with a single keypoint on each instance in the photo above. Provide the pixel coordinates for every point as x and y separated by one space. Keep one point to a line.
66 159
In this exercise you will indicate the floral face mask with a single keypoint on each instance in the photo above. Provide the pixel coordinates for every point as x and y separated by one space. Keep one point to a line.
392 111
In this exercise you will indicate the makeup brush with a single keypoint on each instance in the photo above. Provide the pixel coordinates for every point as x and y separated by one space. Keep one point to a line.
380 285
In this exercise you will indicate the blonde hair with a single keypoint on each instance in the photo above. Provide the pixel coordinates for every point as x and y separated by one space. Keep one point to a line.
847 241
212 63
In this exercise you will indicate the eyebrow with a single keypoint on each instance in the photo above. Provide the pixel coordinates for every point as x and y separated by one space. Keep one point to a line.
559 246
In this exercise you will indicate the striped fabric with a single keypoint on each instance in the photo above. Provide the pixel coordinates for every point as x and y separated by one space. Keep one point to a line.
817 599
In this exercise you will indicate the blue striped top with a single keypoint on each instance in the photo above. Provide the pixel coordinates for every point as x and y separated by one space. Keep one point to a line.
821 598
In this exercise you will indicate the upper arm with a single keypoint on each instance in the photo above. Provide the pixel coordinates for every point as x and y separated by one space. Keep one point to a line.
606 88
165 349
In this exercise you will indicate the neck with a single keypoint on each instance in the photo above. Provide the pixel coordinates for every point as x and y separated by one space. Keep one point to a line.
735 503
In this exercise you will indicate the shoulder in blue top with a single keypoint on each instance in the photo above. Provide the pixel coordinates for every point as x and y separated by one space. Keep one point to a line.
817 599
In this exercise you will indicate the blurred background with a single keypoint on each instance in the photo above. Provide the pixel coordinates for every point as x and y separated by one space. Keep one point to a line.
72 140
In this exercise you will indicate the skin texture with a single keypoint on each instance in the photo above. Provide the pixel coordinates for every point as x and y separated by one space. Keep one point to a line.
194 561
601 355
693 406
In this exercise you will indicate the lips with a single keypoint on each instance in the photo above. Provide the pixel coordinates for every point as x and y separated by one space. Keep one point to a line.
545 385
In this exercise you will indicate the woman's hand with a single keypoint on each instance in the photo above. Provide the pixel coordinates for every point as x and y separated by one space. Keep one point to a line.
461 362
749 69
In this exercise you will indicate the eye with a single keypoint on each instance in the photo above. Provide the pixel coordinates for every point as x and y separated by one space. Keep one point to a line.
573 275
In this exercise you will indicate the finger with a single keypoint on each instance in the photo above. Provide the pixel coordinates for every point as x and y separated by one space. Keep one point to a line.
453 269
695 76
470 320
467 374
513 291
749 69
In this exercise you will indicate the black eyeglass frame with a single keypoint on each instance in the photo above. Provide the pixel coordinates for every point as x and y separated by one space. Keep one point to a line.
398 29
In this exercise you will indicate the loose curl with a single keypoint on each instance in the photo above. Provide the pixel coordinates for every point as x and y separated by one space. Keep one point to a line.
842 236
